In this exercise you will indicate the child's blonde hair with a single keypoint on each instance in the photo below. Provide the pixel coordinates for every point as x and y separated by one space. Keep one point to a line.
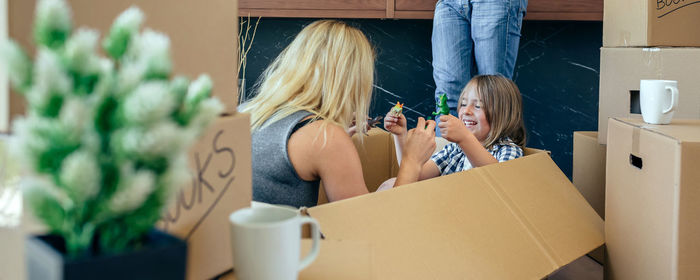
327 70
503 103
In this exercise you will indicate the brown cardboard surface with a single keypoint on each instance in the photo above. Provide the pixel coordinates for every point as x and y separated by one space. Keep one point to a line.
589 175
222 183
652 213
641 23
520 219
589 169
337 260
621 70
203 36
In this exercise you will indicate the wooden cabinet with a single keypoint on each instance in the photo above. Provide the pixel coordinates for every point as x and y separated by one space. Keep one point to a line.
412 9
314 8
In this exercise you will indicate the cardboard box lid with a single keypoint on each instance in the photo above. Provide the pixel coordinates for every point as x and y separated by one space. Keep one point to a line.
203 35
520 219
683 130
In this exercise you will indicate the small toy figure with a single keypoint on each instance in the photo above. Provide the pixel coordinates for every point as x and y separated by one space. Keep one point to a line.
396 110
443 109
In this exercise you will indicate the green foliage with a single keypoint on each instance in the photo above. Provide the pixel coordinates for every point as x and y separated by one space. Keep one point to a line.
104 139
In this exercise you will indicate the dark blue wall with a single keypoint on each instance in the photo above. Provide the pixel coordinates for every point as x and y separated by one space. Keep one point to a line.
557 72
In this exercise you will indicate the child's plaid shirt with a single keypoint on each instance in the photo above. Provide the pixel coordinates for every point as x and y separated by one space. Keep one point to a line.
451 159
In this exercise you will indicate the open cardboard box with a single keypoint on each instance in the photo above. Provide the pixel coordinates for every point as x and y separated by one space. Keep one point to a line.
521 219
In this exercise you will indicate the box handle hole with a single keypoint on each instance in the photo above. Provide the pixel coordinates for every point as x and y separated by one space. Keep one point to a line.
636 161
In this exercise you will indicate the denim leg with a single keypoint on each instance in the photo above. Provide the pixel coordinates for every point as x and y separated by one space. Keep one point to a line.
452 50
496 26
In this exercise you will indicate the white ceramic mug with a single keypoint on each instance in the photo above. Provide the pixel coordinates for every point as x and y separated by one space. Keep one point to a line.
658 100
266 243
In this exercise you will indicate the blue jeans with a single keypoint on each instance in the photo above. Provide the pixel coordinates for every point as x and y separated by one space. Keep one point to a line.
473 37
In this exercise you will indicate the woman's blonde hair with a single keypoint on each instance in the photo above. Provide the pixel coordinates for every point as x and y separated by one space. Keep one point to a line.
504 107
328 70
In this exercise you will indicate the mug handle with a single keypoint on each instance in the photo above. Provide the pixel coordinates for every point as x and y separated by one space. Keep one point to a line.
674 99
315 237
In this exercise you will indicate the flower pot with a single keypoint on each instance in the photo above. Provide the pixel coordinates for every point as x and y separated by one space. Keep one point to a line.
162 257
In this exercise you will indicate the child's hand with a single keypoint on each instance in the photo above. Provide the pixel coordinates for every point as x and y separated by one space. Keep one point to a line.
453 129
395 125
420 142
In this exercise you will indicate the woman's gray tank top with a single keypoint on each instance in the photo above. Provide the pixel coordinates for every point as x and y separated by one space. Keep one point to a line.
274 179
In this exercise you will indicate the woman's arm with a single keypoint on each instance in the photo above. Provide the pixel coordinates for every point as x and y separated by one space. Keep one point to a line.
332 158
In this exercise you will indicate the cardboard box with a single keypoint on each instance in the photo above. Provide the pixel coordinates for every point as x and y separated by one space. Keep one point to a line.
641 23
589 169
222 183
621 70
652 223
589 176
378 157
520 219
203 36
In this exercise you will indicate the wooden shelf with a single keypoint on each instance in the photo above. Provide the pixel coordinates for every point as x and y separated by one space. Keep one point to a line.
585 10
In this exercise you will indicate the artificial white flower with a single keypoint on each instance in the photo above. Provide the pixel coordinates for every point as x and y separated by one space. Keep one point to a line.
122 32
175 177
81 175
130 19
148 103
49 79
133 189
53 22
159 140
16 64
75 116
80 51
199 89
154 50
130 75
207 111
40 186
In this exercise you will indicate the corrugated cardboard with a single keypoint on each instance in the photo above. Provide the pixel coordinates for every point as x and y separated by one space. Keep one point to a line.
520 219
652 225
621 69
589 175
642 23
222 183
203 36
589 169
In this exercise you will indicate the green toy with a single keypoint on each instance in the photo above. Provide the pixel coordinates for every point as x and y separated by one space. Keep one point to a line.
443 109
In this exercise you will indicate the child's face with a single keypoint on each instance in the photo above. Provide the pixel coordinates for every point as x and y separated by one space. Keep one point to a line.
473 114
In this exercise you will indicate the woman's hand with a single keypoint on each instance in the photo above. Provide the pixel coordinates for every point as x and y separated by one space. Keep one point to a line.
395 124
453 129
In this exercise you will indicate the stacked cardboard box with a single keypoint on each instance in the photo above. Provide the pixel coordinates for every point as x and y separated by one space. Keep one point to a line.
652 228
646 210
203 38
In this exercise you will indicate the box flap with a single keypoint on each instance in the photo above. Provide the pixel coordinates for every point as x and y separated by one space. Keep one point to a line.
683 130
520 219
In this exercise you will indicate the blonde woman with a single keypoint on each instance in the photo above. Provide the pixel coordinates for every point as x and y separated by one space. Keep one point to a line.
304 107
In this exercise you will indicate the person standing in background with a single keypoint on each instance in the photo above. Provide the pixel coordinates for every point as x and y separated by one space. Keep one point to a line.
472 37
